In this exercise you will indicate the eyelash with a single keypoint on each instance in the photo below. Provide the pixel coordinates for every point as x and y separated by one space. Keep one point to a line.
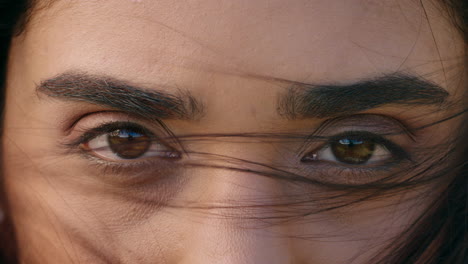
398 154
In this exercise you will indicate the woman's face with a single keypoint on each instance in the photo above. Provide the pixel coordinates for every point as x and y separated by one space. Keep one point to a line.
192 131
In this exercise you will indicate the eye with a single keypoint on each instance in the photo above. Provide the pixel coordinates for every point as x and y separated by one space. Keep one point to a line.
125 142
357 148
354 151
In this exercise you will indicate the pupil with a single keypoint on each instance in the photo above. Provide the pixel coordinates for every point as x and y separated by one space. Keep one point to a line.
128 144
353 151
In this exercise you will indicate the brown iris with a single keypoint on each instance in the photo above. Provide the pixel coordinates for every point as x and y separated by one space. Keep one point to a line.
128 144
353 151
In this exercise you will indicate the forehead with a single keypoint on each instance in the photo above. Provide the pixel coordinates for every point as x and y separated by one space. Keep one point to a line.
300 40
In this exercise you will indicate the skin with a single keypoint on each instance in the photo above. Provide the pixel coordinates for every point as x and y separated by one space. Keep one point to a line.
230 55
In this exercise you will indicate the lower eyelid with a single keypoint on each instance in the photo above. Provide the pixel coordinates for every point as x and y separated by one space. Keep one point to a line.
333 173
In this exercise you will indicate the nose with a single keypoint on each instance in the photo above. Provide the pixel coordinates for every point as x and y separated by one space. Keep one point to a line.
223 244
234 230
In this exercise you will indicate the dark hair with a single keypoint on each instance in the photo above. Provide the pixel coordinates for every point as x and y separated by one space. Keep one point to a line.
440 235
12 16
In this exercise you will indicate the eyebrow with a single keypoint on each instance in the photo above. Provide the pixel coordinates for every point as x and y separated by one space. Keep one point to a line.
303 100
122 95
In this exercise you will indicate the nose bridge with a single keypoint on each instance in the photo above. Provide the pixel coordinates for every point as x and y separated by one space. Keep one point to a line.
227 241
238 168
239 182
233 229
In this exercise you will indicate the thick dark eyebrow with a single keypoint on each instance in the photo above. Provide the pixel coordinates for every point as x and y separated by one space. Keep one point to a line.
122 95
303 100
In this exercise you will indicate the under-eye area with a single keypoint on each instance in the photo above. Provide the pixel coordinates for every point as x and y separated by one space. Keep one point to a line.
352 149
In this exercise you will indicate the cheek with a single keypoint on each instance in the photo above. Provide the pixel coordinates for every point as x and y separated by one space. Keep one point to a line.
56 217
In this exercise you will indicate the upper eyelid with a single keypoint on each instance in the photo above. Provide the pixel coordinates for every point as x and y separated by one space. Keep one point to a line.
380 119
73 124
94 119
119 116
108 127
